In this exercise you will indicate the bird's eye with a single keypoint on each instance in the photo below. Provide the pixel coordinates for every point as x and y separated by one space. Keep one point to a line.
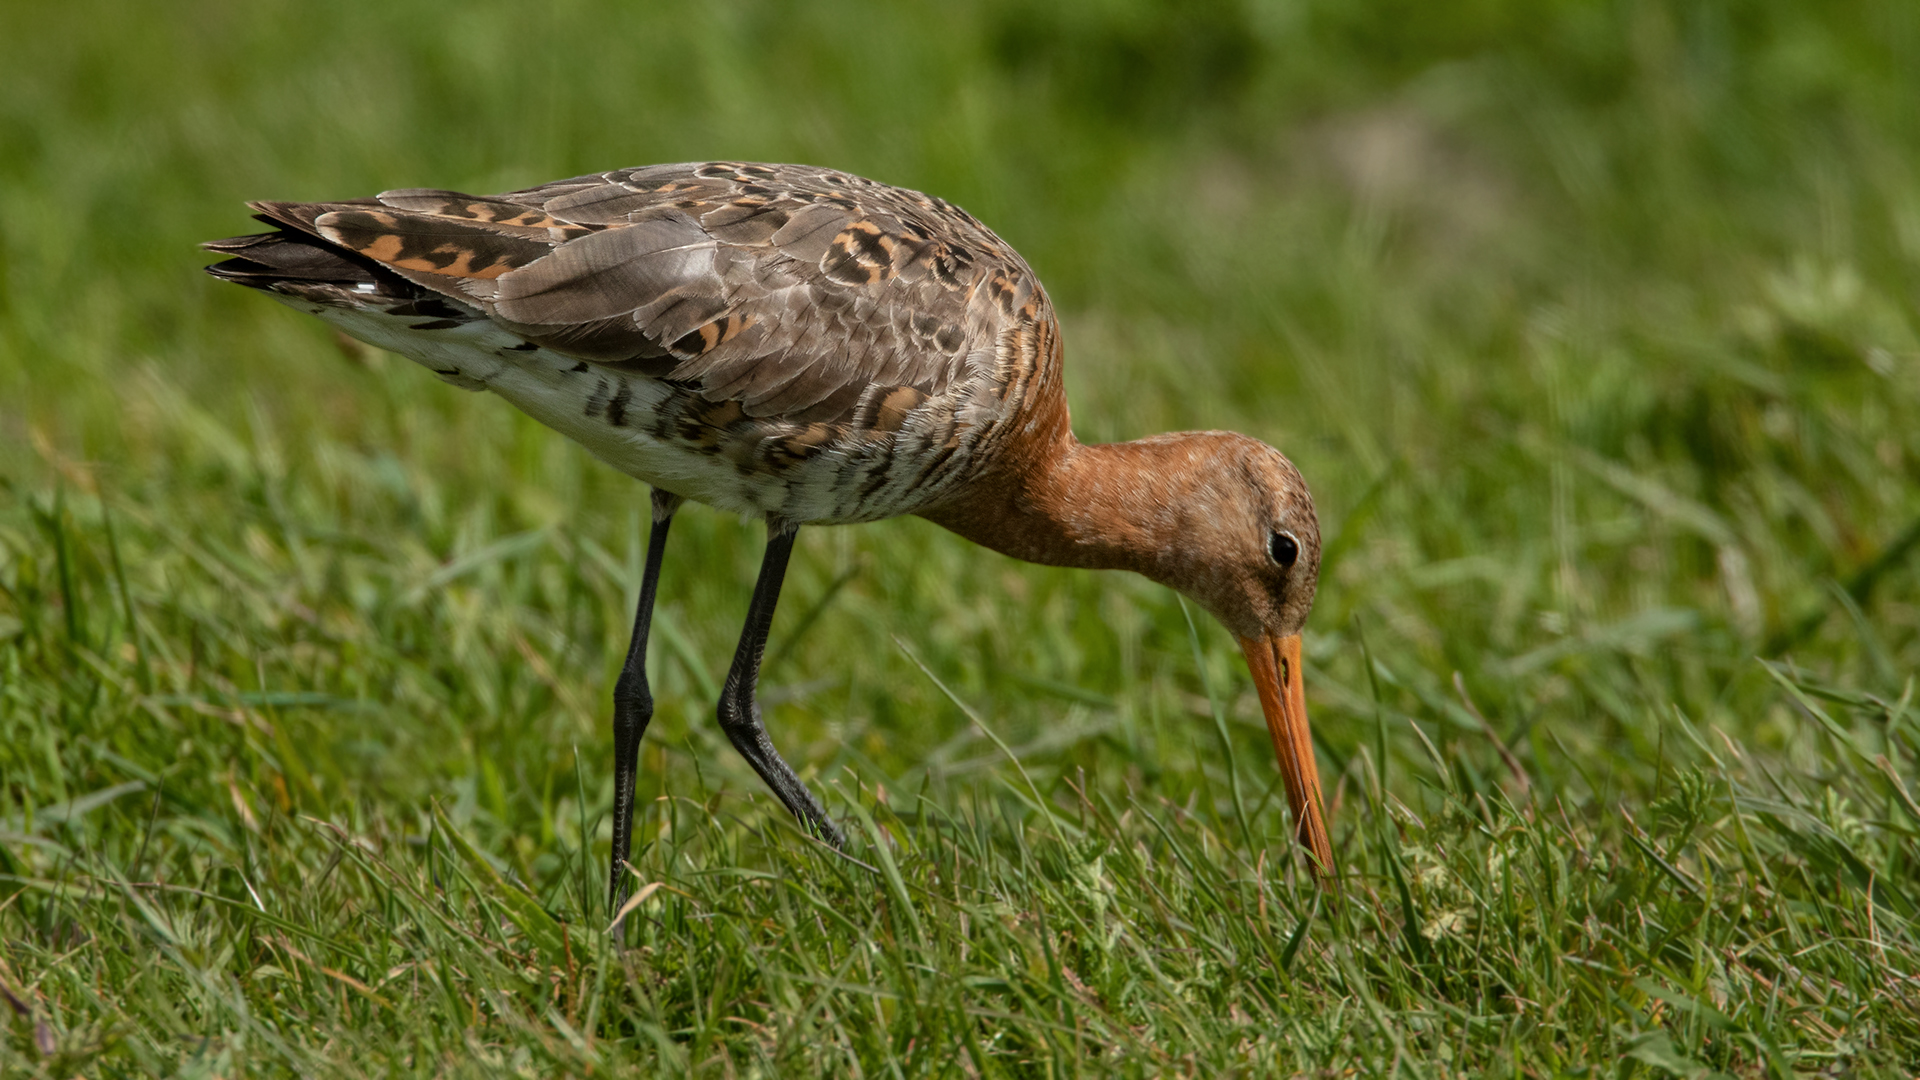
1282 548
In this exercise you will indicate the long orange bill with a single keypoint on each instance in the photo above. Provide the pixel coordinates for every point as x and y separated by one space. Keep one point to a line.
1275 663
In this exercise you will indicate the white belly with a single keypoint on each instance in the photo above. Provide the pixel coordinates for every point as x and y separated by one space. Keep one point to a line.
603 410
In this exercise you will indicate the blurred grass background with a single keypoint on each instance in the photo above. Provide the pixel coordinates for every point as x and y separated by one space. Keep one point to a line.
1591 322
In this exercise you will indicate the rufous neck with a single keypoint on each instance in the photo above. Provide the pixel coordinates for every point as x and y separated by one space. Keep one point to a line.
1103 506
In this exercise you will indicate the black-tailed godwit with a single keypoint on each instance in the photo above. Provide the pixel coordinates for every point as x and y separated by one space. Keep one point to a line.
807 347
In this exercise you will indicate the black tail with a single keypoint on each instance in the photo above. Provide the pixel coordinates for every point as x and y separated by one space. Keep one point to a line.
264 259
296 255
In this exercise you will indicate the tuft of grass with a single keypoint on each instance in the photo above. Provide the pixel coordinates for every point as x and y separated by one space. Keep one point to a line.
1591 324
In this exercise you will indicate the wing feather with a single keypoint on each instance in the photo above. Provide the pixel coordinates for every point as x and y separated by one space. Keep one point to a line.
605 273
795 292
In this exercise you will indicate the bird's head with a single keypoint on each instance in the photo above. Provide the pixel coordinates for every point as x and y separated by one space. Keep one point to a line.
1246 546
1225 519
1247 543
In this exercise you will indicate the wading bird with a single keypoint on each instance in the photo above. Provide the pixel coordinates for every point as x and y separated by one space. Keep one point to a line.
807 347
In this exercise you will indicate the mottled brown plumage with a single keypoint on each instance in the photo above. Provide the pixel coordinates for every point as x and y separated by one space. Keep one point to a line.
812 314
806 346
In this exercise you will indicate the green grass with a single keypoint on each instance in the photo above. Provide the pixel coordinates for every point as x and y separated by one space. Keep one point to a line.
1593 325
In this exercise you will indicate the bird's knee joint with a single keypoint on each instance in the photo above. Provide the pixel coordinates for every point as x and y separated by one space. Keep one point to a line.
737 714
632 688
632 692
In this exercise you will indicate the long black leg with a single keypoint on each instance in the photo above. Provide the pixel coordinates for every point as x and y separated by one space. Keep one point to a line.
633 702
740 713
